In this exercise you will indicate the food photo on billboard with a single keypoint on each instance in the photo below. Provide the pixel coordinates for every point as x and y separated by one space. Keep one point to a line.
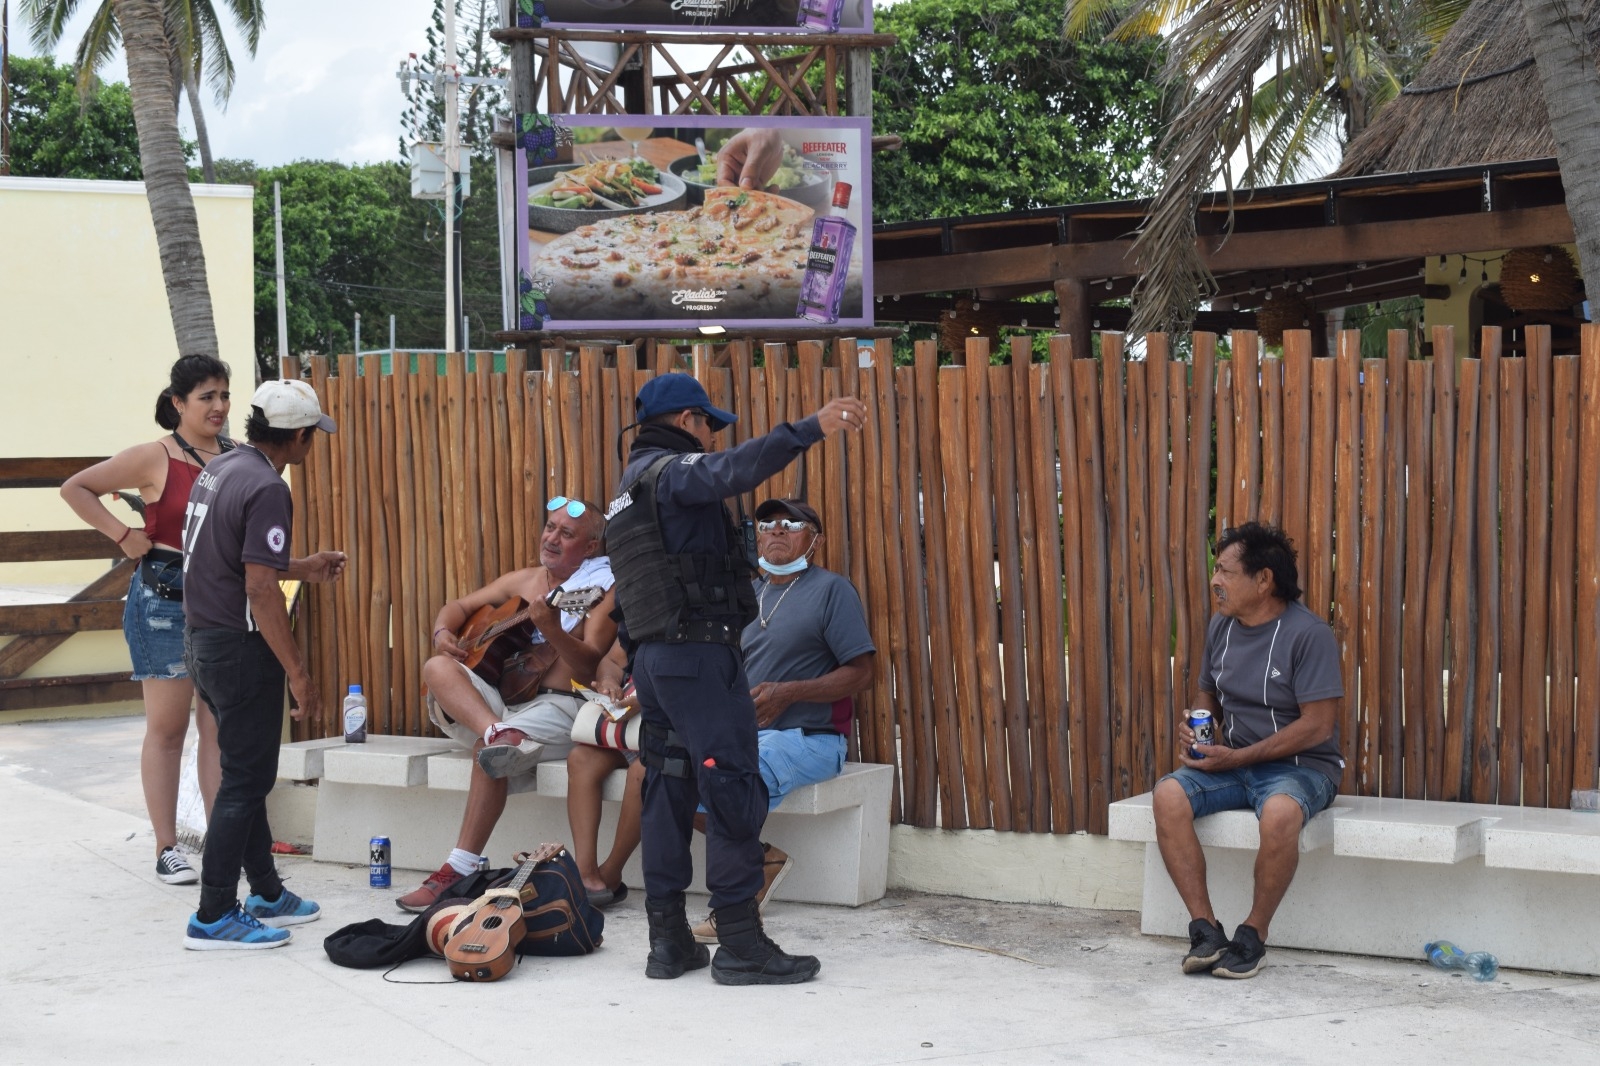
803 16
666 221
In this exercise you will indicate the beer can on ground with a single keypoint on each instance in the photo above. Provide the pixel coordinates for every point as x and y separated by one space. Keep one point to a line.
378 848
1200 723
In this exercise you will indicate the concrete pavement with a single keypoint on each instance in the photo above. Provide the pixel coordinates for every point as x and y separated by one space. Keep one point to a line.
93 971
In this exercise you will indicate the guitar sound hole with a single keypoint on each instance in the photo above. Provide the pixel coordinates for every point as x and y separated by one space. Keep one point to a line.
494 921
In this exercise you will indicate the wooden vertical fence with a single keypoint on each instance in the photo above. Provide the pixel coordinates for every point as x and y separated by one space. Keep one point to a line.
1032 543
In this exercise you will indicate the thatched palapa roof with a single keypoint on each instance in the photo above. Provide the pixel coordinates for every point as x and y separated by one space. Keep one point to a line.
1478 100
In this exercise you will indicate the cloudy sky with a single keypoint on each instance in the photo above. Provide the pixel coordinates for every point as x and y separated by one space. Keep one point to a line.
322 84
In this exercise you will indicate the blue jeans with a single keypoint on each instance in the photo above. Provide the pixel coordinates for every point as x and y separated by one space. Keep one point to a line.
1251 787
239 676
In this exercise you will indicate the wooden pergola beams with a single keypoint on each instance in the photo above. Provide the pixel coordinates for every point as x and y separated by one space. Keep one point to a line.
1356 240
572 83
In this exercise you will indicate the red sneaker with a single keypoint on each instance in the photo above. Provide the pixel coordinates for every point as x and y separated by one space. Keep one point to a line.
432 890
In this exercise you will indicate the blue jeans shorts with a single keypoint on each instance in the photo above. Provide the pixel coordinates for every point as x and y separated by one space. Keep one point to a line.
790 759
1251 786
153 628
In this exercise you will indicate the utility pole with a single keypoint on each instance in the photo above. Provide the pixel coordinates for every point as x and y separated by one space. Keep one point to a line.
452 169
5 87
283 306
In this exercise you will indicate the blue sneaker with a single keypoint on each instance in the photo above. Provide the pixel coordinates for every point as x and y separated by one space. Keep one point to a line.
290 909
234 931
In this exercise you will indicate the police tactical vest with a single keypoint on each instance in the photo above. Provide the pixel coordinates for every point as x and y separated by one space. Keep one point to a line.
667 597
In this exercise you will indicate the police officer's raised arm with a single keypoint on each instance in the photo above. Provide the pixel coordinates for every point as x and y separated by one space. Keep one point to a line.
708 477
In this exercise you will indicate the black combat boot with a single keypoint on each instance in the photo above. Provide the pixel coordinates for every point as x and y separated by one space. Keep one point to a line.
747 957
672 946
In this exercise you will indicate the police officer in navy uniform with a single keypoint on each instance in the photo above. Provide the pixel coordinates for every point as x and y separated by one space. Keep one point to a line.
684 590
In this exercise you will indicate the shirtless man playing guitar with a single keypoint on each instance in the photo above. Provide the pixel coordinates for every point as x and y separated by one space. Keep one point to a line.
513 738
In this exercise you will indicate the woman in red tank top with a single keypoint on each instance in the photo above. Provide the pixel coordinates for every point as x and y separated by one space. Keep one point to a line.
194 411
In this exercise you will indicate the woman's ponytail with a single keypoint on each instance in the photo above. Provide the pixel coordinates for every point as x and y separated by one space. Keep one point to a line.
166 414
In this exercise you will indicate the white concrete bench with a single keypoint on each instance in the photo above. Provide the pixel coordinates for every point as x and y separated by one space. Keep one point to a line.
413 790
1385 876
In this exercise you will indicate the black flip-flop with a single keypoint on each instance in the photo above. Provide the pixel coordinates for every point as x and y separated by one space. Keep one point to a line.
606 897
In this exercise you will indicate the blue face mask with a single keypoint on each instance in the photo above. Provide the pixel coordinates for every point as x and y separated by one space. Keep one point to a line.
784 569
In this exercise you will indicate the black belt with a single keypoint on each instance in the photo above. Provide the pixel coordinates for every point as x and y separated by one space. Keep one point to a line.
156 573
822 732
706 631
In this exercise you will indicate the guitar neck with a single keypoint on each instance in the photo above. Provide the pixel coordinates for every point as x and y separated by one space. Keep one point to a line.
500 628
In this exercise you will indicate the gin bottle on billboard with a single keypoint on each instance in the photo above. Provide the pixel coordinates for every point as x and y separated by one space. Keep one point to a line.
833 238
820 15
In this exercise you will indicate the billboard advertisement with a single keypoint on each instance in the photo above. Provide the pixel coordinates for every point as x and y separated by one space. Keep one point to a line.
804 16
695 220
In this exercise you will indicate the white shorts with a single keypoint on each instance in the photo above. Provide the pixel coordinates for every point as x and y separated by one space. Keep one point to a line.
546 719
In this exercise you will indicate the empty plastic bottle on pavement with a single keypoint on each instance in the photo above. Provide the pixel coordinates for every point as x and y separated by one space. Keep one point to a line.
355 717
1480 964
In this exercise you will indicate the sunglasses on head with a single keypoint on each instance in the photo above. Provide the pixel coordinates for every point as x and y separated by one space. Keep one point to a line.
786 525
575 508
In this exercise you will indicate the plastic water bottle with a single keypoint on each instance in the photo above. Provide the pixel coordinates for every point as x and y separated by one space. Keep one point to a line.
355 717
1480 964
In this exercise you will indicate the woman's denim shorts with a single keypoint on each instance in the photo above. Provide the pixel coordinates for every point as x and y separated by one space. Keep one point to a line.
153 628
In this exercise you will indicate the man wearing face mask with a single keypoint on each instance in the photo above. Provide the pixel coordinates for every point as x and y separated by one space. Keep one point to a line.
806 654
684 593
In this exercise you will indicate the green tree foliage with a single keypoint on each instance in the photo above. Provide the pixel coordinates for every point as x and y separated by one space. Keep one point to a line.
339 227
355 241
197 49
52 136
996 112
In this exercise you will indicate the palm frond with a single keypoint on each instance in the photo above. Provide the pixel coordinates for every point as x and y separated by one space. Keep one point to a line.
101 39
47 20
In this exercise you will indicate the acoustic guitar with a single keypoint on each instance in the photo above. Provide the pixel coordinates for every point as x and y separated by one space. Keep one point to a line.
483 945
500 635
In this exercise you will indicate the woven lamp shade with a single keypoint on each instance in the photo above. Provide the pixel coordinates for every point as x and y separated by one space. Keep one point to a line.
1286 312
968 320
1528 283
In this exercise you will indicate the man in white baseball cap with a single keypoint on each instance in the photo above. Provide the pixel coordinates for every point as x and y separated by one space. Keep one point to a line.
290 404
239 648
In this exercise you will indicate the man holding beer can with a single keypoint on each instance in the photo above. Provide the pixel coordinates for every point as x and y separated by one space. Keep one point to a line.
1263 735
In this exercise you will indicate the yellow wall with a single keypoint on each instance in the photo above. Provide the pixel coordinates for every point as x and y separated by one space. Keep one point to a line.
85 334
85 344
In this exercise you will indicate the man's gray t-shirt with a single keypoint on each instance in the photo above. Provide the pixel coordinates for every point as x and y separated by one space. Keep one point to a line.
240 511
815 624
1261 675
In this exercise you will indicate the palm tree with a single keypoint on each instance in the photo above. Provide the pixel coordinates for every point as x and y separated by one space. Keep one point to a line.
197 49
1560 33
1285 83
166 178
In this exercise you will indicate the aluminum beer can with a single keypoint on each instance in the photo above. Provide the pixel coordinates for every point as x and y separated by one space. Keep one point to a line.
378 848
1201 724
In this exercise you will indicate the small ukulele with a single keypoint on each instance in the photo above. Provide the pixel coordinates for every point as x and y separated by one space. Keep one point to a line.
483 945
497 632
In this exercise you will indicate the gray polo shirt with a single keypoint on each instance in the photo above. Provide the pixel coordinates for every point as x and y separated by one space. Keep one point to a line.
240 511
1261 675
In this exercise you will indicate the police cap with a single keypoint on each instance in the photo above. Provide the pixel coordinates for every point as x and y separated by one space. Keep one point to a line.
679 392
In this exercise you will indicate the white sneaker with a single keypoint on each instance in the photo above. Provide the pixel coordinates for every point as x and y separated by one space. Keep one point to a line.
174 869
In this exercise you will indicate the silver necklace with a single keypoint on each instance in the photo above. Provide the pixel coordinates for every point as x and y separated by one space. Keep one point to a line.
761 599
